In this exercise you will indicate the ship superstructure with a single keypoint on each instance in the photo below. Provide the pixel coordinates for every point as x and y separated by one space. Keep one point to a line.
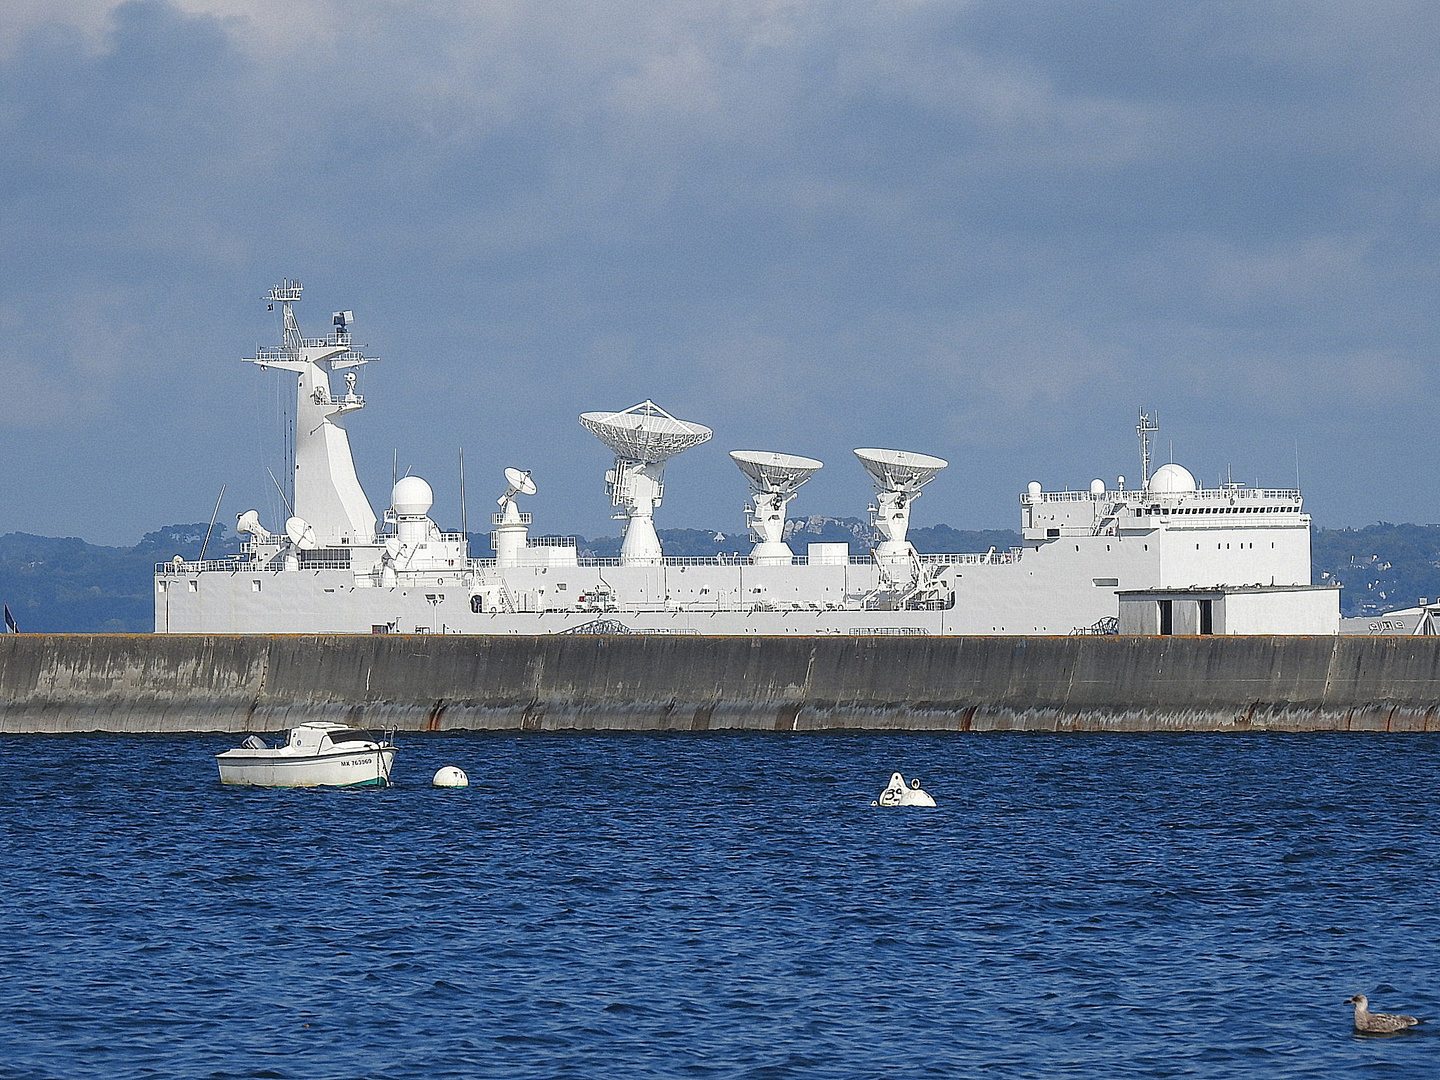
335 568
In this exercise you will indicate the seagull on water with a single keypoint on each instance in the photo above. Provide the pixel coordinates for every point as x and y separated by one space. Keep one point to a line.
1377 1023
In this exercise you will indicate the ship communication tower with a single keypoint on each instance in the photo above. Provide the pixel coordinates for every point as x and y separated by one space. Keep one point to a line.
774 480
643 438
327 495
899 475
512 528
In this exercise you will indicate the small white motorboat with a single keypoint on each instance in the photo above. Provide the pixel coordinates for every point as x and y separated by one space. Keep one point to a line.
317 754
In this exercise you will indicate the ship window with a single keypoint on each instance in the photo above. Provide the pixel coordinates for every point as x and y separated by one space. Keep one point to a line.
160 586
560 586
254 586
194 585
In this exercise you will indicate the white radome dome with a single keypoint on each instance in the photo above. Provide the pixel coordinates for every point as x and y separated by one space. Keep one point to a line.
411 497
1171 480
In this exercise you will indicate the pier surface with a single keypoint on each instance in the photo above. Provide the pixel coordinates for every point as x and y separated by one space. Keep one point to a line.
166 683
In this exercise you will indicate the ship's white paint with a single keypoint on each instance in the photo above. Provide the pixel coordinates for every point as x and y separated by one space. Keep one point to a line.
1079 548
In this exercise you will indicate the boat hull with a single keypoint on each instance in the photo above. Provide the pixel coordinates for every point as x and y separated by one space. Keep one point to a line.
350 768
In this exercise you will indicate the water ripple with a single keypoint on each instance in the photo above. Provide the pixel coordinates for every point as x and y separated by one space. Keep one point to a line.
724 905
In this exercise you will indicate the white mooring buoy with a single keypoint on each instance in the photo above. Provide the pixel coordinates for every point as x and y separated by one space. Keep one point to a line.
897 794
450 776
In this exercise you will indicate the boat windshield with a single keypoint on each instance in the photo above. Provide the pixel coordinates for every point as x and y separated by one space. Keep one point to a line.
352 736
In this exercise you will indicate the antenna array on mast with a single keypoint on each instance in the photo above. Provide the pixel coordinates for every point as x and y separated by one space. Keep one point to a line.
1149 424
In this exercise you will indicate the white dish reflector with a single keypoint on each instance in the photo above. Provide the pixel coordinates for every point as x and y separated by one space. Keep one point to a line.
900 470
772 473
644 432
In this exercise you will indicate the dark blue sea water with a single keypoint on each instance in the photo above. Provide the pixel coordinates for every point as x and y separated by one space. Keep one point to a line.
725 905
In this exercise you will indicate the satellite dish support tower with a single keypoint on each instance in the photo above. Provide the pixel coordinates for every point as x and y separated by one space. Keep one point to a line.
774 481
899 475
512 528
643 438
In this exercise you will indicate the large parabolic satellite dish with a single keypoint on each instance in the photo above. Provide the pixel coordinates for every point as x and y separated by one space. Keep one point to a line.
900 470
644 432
772 473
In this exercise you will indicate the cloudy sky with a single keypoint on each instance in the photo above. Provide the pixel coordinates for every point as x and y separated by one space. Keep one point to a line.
985 230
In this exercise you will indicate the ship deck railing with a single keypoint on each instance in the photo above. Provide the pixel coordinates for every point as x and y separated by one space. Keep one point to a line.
1140 495
234 562
244 561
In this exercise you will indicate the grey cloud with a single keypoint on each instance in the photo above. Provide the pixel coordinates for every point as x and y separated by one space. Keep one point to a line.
988 230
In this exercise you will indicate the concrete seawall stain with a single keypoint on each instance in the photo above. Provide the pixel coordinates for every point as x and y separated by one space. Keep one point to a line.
79 682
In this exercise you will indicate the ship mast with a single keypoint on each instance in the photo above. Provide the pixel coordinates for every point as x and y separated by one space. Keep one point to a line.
1149 424
327 493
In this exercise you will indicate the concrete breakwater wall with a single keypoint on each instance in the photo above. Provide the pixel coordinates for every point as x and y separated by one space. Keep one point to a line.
155 683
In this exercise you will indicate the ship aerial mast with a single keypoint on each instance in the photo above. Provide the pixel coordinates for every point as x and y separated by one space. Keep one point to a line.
1149 424
327 493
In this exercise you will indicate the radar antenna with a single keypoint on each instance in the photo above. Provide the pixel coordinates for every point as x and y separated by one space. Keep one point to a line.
1149 424
774 480
643 438
899 475
511 526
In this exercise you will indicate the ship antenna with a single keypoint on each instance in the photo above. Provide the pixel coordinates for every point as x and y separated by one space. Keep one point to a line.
289 509
1149 424
213 516
464 525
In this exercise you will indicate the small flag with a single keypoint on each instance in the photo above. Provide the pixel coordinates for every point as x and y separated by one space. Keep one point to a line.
10 621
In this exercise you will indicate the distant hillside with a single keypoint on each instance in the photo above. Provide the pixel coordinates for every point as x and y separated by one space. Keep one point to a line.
65 584
1383 567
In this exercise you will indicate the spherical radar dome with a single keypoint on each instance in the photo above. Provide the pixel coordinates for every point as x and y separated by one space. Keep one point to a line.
1171 480
411 497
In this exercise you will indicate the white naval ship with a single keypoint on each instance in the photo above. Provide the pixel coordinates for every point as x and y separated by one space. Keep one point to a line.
1168 556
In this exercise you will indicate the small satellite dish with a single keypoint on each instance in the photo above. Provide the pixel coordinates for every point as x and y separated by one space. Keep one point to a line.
301 534
519 483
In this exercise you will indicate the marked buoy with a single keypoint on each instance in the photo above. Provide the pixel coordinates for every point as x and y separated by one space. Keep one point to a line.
897 794
450 776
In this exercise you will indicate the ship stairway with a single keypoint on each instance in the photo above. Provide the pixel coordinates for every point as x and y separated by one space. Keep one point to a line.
496 583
